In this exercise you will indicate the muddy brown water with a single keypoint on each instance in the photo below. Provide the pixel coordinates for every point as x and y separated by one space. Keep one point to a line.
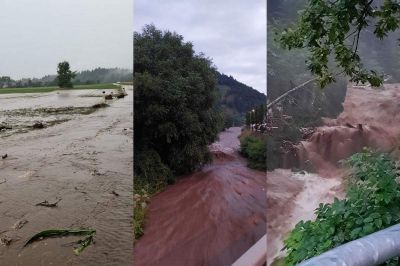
370 118
210 217
81 161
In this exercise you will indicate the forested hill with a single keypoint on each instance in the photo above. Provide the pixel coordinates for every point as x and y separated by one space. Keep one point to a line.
104 75
236 98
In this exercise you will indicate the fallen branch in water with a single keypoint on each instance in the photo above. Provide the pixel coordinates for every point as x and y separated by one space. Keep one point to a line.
47 204
82 244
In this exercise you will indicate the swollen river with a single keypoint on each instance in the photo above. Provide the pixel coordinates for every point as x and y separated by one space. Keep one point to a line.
370 119
210 217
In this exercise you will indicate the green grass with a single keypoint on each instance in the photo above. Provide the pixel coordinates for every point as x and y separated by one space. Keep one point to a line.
55 88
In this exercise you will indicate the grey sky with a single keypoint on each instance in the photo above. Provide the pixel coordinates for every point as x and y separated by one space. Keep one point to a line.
231 32
37 34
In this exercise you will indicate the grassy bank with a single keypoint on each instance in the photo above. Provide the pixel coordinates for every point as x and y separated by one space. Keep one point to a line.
55 88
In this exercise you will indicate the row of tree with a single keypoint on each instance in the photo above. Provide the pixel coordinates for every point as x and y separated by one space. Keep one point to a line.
257 116
95 76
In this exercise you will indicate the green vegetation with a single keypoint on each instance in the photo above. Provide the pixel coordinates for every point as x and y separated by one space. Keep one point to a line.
332 29
141 199
254 148
372 203
65 75
286 69
175 111
55 88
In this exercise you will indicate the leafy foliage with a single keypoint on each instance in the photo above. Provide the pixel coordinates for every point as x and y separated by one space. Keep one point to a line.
332 30
372 203
175 93
65 75
254 147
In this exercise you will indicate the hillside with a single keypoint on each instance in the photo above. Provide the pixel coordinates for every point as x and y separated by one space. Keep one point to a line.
236 98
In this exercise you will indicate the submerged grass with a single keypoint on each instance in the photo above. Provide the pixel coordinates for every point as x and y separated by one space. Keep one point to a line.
55 88
141 199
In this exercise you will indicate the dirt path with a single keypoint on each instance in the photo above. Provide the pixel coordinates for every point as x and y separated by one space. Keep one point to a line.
208 218
81 162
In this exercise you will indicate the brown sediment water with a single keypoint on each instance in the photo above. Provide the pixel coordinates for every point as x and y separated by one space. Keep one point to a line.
210 217
80 161
370 119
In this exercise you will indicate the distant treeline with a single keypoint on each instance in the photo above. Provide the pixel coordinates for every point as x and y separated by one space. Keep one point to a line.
97 75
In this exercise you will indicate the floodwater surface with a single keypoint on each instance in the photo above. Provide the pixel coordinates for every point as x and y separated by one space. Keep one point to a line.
210 217
84 162
370 119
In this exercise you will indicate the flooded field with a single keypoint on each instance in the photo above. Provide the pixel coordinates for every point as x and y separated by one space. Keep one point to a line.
64 147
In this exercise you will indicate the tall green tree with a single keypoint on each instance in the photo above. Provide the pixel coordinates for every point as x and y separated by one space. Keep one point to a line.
175 93
65 75
332 30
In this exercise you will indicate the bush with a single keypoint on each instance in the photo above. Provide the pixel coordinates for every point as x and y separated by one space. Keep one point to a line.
151 173
372 203
255 149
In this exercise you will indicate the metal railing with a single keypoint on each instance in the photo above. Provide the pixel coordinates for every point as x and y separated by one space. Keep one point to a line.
373 249
255 256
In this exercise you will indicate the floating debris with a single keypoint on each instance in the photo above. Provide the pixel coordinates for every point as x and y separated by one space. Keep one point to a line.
4 156
38 125
82 244
100 105
19 224
115 193
47 204
5 240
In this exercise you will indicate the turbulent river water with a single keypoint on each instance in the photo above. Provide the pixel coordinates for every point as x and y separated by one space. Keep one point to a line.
210 217
370 118
85 161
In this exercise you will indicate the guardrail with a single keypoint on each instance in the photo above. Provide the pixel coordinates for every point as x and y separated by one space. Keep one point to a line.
255 256
373 249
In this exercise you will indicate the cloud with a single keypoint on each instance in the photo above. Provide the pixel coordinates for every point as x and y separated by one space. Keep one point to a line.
37 34
231 32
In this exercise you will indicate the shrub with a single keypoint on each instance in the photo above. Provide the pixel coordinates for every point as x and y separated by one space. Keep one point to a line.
372 203
255 149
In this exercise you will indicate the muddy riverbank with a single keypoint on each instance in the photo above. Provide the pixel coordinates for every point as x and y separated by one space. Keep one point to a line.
210 217
86 162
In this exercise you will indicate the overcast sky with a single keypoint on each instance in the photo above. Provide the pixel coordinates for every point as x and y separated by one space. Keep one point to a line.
37 34
231 32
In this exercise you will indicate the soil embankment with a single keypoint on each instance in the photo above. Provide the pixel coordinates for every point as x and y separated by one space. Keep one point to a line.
210 217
